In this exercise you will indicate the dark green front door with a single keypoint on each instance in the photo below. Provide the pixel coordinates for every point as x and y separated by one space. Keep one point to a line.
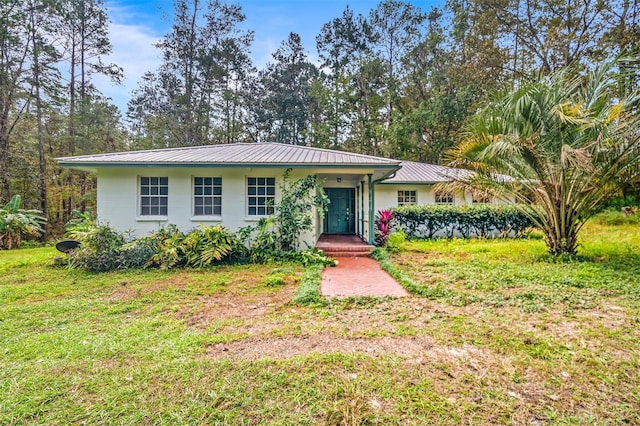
340 218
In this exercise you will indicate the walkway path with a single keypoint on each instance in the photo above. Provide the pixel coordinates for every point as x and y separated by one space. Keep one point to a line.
359 276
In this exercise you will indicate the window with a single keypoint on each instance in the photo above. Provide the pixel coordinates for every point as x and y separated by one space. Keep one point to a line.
154 196
207 196
444 197
480 199
261 192
406 198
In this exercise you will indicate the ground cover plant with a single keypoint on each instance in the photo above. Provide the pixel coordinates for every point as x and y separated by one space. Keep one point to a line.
502 333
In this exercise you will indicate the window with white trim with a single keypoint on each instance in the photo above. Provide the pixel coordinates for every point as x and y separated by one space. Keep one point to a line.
480 198
261 194
443 197
207 196
406 198
154 196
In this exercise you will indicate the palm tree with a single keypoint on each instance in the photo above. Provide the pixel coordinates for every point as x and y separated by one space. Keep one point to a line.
562 140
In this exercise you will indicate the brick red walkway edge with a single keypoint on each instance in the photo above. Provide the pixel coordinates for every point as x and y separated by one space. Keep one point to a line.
359 276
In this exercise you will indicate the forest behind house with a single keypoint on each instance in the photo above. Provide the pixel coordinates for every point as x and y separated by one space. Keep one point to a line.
397 82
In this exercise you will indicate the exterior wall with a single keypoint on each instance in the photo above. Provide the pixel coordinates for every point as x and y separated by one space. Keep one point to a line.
118 198
386 196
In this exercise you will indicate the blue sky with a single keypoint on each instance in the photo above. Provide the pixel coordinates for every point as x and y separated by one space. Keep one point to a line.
136 25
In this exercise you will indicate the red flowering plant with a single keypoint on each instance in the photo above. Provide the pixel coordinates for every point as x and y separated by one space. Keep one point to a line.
383 226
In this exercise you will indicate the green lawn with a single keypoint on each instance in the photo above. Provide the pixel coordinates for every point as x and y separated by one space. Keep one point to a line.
500 334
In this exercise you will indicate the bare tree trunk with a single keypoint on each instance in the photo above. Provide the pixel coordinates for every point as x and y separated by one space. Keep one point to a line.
42 172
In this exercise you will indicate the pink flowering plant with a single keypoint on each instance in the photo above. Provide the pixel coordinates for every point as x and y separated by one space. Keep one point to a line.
383 226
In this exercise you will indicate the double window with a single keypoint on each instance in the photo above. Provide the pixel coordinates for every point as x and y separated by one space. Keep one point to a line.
261 193
443 197
207 196
154 196
406 198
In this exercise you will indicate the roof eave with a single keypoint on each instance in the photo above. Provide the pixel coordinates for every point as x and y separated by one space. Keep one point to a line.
413 182
95 165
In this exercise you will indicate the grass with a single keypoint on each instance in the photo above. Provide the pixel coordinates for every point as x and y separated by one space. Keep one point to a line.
498 334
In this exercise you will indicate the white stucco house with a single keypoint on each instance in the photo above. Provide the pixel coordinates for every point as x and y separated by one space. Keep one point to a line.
234 185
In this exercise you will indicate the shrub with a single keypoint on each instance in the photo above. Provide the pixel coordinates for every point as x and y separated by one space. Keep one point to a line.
395 241
310 257
16 222
425 221
199 248
168 247
105 249
383 226
100 251
293 214
615 217
276 237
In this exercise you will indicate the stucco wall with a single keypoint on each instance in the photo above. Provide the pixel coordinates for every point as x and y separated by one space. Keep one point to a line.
386 195
118 199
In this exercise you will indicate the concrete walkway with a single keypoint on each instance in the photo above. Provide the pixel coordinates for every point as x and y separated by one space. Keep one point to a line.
359 276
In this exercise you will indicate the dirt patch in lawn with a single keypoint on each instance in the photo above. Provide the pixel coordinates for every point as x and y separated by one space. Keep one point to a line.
414 347
232 305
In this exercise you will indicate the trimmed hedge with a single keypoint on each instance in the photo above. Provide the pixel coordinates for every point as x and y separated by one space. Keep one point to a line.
429 221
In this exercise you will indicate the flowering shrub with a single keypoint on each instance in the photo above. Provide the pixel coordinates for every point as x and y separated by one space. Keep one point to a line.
383 225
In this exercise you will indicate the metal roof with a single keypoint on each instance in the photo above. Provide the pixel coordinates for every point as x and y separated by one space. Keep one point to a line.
237 154
413 172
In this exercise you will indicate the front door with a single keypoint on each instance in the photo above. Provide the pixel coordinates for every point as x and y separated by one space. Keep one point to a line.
340 217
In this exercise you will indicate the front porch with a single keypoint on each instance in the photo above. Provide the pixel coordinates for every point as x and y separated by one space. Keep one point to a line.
340 245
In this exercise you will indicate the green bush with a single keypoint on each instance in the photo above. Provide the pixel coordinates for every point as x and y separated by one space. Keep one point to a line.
105 249
425 221
101 250
276 237
16 222
202 247
617 204
616 217
395 241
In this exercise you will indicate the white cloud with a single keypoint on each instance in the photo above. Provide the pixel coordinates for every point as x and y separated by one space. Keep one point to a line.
134 51
133 32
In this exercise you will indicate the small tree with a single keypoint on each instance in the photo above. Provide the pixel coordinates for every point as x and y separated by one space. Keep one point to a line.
280 233
16 222
293 214
563 140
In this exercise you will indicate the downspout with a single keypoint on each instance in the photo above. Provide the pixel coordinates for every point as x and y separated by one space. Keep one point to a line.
371 214
361 224
357 228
